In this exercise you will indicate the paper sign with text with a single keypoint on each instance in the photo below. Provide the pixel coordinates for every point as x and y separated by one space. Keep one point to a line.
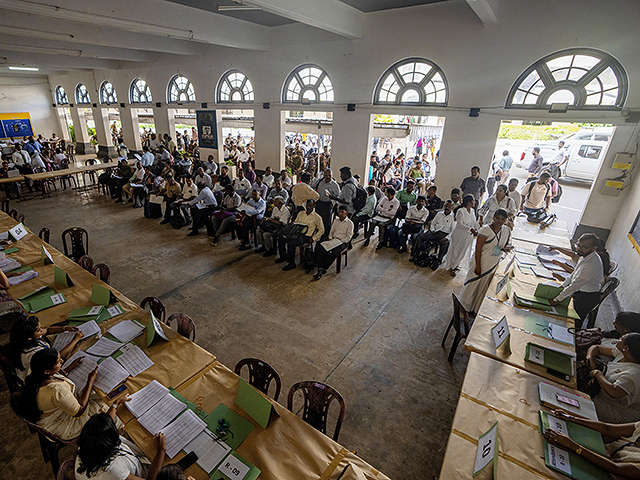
501 334
487 450
18 232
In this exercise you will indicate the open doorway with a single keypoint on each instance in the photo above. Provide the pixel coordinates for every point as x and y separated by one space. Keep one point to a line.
238 129
400 142
308 137
572 153
115 124
146 125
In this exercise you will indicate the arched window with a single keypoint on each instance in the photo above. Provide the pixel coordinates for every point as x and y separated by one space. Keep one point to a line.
140 92
180 90
413 81
108 93
61 96
585 78
235 87
308 83
82 95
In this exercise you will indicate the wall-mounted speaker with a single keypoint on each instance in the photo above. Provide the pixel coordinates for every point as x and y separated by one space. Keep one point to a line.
474 112
351 107
266 105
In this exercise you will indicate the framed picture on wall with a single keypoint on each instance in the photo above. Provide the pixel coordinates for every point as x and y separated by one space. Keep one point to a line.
207 131
634 234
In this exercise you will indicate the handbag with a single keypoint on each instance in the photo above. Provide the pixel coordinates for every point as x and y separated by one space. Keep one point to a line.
586 383
585 339
292 231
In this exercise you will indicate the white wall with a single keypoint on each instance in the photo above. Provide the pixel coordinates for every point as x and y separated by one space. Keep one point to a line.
32 95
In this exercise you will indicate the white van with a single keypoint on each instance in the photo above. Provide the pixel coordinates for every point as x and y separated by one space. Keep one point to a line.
584 160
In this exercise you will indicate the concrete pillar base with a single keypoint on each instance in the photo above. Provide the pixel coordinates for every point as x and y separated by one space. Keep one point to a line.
106 152
84 148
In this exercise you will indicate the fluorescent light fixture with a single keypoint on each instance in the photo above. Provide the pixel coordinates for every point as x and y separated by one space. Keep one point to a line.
26 69
36 49
19 31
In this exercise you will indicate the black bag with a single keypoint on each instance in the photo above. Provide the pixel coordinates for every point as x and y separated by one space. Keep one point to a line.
536 217
152 210
269 227
138 197
421 256
177 220
392 240
291 231
556 199
586 383
360 199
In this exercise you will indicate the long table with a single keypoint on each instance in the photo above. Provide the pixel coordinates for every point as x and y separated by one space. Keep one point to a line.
288 449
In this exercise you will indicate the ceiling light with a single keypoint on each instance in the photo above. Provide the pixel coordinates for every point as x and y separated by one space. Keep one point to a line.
36 49
28 69
237 7
19 31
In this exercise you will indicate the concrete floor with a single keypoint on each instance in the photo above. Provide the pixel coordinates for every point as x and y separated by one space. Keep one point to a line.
373 332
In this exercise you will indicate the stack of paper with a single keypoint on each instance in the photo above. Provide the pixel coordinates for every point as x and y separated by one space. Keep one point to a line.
8 264
88 329
127 330
182 431
23 277
80 374
133 359
161 414
104 347
110 375
145 398
211 451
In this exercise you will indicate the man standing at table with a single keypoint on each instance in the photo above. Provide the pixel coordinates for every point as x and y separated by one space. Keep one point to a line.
583 285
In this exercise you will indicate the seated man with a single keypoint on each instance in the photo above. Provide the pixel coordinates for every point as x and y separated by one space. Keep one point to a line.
456 198
210 166
182 205
278 191
339 237
315 229
120 179
170 190
241 185
536 195
202 177
226 215
201 209
268 177
224 178
135 179
379 194
250 218
260 186
385 214
367 212
285 180
434 203
147 157
267 233
413 222
441 227
182 166
406 197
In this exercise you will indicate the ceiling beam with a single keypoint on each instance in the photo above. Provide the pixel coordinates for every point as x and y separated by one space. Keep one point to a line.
152 17
44 60
484 11
331 15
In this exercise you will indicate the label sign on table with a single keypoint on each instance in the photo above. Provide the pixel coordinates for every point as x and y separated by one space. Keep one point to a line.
487 450
536 355
559 459
502 283
18 231
45 256
233 468
558 425
501 334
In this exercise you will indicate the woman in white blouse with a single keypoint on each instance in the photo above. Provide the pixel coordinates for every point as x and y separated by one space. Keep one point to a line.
462 236
498 200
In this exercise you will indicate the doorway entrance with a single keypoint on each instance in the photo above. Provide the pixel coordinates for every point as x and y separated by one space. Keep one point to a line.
308 137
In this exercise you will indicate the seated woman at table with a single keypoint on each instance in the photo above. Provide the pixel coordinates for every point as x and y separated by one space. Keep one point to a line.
172 472
104 455
28 337
492 240
619 398
462 236
49 396
623 453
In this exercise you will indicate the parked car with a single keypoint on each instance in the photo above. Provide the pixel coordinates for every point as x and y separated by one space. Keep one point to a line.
584 160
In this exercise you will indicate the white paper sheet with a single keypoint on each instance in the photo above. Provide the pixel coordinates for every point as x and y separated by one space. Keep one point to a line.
210 452
89 328
80 374
526 259
560 333
114 311
23 277
181 431
133 359
127 330
161 414
331 244
542 272
110 375
63 339
104 347
145 398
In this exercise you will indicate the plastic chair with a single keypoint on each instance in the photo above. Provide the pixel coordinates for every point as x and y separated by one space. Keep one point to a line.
260 375
461 323
86 262
92 175
156 306
5 205
44 234
9 370
184 325
609 285
317 399
102 271
613 266
50 444
21 218
66 471
79 238
71 153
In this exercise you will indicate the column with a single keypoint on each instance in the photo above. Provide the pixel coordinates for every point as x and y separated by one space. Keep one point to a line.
130 129
268 125
351 143
218 153
171 118
83 144
105 142
62 122
161 119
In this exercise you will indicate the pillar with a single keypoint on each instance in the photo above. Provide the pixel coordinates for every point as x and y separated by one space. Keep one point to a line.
62 122
268 126
161 120
83 143
218 154
171 118
105 142
351 145
130 129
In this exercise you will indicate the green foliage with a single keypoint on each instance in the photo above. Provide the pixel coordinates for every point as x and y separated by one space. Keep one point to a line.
72 133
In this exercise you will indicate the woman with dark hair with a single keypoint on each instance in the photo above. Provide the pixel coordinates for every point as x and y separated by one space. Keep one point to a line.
104 455
49 396
28 336
618 401
172 472
461 236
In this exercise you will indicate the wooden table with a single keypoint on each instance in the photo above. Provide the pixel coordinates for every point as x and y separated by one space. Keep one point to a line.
555 234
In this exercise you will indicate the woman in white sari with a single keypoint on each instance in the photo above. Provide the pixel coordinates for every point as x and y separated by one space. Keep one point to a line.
462 235
492 240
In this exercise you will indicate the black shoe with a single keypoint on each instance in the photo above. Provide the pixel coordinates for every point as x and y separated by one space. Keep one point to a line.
355 235
289 266
402 250
215 240
269 253
165 221
261 249
308 270
130 200
244 247
379 246
318 275
193 233
366 242
119 200
280 260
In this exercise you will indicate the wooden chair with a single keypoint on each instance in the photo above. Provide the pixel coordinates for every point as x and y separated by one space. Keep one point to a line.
102 271
317 399
184 325
14 382
260 375
79 239
339 259
461 323
5 205
156 306
608 287
44 234
50 444
66 471
86 262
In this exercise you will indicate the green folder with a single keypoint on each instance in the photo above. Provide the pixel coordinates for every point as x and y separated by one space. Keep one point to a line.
26 300
581 468
102 295
47 301
238 428
84 314
61 277
153 328
549 292
252 474
540 327
530 301
11 250
254 403
564 311
190 405
549 358
21 270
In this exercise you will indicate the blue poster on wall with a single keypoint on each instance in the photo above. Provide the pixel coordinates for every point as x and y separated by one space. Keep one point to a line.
17 128
2 135
207 129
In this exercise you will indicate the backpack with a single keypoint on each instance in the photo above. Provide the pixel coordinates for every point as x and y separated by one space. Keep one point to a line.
152 210
422 256
308 258
291 231
533 181
360 199
177 220
556 199
392 240
536 217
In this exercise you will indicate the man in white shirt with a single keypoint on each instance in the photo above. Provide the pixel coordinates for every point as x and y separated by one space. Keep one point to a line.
268 177
277 191
285 180
339 237
583 285
441 227
201 208
513 192
189 192
385 214
413 222
267 233
135 179
241 185
17 158
253 215
243 156
154 144
147 157
202 177
326 188
561 155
